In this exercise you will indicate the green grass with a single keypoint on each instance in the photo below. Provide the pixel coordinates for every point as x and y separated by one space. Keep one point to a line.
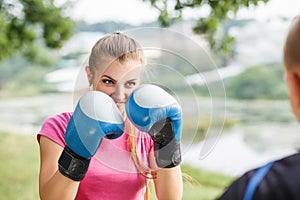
19 167
202 184
19 155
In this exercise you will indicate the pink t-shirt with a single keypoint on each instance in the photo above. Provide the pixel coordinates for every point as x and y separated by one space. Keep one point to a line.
112 173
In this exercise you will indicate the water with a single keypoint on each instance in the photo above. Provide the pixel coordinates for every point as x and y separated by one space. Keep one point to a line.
266 130
243 148
24 115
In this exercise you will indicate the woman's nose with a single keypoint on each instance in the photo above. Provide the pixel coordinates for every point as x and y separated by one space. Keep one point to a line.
119 93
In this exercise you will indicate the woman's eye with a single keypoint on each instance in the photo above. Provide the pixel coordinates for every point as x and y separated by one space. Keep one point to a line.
130 84
107 81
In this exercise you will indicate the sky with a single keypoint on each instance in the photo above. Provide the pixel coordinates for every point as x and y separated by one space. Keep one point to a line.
127 11
137 11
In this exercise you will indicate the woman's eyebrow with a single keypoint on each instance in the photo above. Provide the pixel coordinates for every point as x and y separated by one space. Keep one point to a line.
134 79
105 76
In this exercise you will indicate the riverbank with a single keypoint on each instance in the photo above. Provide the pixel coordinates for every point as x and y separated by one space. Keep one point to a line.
258 132
24 115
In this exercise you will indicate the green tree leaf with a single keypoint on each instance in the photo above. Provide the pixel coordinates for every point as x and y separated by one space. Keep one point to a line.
221 11
27 24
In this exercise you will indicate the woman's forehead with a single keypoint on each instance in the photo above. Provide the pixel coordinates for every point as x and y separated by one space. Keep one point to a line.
120 70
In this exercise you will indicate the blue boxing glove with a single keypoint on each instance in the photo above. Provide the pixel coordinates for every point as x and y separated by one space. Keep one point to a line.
96 116
151 109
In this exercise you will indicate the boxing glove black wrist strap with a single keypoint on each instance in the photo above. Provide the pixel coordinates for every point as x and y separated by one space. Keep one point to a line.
72 165
168 156
167 151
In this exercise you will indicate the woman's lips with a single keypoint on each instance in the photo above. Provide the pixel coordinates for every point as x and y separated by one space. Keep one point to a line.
120 103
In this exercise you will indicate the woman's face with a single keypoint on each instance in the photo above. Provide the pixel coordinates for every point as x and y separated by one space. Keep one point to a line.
118 81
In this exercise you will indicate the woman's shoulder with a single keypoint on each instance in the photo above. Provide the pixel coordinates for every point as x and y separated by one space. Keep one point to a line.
57 121
59 118
54 127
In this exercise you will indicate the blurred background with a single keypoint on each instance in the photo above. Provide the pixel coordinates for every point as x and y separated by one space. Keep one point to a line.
222 60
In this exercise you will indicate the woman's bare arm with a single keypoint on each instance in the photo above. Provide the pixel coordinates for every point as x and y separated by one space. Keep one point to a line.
168 181
52 184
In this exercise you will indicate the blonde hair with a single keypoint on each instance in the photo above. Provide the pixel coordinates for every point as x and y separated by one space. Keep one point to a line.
142 169
119 46
115 46
292 46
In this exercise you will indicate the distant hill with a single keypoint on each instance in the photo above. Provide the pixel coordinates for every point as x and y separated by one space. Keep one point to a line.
109 26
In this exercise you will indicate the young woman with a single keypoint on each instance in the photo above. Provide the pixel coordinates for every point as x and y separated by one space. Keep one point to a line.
120 168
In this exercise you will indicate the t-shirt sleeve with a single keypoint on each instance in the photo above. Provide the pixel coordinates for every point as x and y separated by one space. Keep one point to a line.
54 128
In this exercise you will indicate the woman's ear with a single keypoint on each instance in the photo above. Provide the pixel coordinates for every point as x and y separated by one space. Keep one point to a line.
89 75
293 81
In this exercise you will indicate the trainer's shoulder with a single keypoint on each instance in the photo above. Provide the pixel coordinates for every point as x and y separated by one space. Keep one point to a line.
289 161
283 179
